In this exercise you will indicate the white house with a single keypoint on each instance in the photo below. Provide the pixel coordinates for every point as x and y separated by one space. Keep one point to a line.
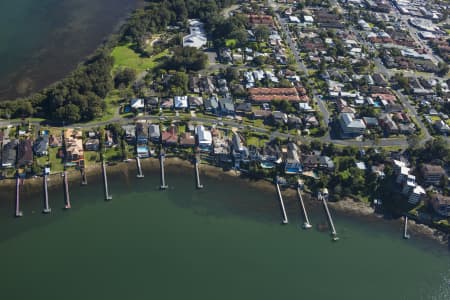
180 102
204 137
197 37
137 103
350 125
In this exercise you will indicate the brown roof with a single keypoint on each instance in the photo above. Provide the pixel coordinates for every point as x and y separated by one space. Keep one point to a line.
269 94
170 135
432 169
187 139
260 19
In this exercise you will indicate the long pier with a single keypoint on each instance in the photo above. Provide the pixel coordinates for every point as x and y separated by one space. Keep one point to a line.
405 229
18 211
138 162
284 219
330 219
163 177
105 182
306 224
66 190
197 174
47 208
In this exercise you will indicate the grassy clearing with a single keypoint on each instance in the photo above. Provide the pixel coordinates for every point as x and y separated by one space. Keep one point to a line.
125 57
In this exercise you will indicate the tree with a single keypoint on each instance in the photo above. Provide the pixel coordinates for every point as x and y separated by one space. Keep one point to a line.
443 69
69 113
187 58
124 77
262 33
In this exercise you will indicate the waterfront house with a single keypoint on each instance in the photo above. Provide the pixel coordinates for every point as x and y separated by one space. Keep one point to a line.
74 145
293 164
432 174
25 153
441 204
141 133
55 141
416 195
326 163
154 133
40 146
130 133
92 144
311 162
109 139
204 138
240 152
9 154
187 140
169 137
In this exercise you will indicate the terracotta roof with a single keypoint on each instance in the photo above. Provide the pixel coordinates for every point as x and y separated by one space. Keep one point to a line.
260 19
269 94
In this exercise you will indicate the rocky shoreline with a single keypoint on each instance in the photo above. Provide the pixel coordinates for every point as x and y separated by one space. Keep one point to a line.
347 206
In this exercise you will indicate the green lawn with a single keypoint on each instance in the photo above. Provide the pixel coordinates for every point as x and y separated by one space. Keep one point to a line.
125 57
56 163
231 43
435 118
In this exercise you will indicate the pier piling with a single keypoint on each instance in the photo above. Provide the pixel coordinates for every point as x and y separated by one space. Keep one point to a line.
47 208
138 162
18 212
66 190
163 178
284 219
330 219
405 229
197 173
105 182
306 224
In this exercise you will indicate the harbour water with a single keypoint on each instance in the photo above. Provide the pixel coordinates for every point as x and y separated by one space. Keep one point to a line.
41 41
221 242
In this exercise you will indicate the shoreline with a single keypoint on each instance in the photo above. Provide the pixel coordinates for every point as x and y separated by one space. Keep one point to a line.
348 207
45 83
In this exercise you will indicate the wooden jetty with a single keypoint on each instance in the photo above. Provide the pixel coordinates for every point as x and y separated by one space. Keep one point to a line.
284 218
306 224
47 208
105 182
406 235
139 167
18 212
163 177
197 173
330 219
66 190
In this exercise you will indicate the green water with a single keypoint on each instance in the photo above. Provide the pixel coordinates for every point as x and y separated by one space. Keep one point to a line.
223 242
41 41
